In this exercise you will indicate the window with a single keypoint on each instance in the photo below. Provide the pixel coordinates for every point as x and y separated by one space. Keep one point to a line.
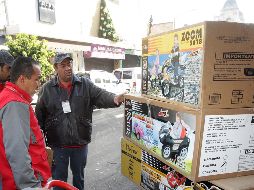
97 80
127 74
118 74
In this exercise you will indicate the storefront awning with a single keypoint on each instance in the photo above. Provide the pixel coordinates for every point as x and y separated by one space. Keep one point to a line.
67 47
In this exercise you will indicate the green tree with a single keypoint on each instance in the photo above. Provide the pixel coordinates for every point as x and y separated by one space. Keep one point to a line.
30 46
106 29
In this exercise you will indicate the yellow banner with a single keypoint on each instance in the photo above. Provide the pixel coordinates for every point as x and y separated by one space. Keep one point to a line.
186 39
131 161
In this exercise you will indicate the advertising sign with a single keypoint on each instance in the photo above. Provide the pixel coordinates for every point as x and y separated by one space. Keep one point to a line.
173 65
202 145
168 133
103 51
200 66
47 11
131 161
152 174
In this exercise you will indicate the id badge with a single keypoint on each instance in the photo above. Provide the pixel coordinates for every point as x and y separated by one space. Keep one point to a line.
66 106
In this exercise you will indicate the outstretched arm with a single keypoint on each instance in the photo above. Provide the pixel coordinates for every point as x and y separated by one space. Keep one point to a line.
119 99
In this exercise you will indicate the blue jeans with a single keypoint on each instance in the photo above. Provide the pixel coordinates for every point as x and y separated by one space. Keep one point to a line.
77 158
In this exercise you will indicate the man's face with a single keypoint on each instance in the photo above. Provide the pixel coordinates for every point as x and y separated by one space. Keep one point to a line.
31 85
64 70
5 73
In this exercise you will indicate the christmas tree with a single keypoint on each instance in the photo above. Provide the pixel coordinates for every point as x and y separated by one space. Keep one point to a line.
106 29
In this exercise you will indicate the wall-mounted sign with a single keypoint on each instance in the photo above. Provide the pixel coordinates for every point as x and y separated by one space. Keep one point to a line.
102 51
47 11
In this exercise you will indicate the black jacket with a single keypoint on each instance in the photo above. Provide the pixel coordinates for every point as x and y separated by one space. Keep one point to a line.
74 128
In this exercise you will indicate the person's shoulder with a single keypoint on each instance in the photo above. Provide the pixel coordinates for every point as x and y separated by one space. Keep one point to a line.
50 82
83 79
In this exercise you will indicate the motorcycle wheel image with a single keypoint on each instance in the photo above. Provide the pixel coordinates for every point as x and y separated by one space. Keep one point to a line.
138 136
166 151
166 88
183 152
153 83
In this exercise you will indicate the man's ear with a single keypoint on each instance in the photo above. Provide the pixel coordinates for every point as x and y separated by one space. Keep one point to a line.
55 66
21 78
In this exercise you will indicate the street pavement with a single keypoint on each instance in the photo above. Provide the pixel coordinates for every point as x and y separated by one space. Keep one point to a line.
103 171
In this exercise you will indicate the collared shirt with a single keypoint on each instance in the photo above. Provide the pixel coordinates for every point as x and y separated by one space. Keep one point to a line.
68 87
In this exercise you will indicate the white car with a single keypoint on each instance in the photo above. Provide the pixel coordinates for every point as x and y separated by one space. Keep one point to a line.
106 80
131 77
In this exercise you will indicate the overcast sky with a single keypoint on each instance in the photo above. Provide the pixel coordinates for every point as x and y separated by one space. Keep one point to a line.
134 24
190 12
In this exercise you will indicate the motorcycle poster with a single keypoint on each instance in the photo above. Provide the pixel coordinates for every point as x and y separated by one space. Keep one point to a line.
172 65
167 133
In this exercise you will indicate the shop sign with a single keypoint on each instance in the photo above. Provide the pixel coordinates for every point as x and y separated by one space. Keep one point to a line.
47 11
103 51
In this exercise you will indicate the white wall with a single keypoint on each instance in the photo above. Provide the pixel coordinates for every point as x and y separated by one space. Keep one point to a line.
78 20
75 20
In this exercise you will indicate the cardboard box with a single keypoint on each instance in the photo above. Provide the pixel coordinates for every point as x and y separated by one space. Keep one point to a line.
148 172
200 144
207 65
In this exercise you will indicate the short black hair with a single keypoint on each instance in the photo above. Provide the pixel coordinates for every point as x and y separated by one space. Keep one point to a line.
5 58
22 66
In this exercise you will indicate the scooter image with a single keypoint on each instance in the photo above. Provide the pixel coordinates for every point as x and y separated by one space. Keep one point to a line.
174 149
138 131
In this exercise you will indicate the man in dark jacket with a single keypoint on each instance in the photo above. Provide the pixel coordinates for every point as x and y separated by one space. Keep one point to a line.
64 110
6 61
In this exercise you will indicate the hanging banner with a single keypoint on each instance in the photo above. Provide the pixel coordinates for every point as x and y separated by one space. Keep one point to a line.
103 51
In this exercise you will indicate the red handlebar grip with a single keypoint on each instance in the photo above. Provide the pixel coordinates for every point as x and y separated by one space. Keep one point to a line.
58 183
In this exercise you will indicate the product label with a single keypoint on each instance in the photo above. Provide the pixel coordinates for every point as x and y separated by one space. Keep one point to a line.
234 66
228 144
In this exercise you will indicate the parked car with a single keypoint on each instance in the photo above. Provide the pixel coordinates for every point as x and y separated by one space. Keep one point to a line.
130 76
105 80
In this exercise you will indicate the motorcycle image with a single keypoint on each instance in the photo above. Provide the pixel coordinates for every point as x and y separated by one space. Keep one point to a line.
174 149
172 86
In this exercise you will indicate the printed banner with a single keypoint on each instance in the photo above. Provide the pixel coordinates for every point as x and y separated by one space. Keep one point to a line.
152 174
172 67
167 133
108 52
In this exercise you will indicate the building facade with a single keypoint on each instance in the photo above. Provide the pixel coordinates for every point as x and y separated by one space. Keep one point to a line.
69 26
230 12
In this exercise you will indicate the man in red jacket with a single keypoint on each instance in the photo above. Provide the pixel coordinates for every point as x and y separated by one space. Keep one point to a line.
23 155
6 61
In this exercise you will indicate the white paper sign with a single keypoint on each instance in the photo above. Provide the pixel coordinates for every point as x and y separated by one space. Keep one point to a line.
228 144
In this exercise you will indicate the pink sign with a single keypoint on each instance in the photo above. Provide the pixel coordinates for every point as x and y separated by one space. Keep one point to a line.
102 51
